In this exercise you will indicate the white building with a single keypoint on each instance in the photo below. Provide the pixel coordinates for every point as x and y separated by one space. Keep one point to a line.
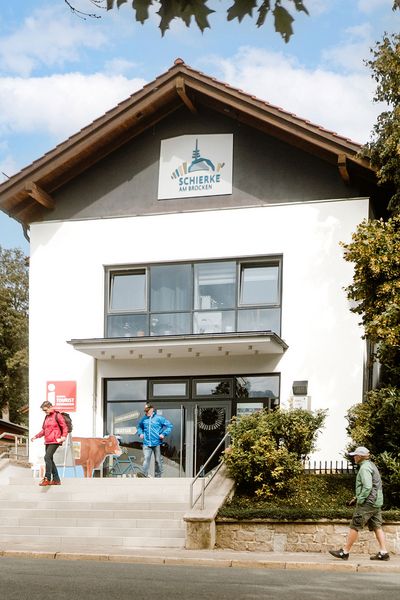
185 250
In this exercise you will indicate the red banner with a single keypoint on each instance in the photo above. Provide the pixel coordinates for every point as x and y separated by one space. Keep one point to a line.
62 394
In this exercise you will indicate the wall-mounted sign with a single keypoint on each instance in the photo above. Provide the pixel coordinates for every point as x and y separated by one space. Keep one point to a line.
62 394
302 402
195 165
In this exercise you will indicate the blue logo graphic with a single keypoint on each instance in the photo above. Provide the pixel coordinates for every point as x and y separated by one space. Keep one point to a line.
189 183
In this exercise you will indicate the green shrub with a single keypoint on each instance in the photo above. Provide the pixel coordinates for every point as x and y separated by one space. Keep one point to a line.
389 466
375 423
314 497
296 430
267 447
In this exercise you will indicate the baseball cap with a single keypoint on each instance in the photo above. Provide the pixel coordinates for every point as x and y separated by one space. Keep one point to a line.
360 451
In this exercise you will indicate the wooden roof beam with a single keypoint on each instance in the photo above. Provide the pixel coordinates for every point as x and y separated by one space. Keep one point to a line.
181 90
39 195
342 166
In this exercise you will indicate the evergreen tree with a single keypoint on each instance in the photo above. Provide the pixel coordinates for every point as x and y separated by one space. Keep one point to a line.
13 331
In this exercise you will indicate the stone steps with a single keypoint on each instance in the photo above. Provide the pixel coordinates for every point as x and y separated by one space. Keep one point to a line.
58 543
114 512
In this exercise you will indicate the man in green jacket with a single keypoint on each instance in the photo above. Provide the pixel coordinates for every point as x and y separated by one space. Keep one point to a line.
368 501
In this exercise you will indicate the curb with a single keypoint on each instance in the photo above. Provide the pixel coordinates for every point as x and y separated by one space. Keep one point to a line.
355 567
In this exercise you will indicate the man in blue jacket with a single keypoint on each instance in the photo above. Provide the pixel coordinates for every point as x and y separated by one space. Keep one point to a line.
152 429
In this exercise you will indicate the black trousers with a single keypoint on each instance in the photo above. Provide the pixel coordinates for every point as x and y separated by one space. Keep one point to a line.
51 469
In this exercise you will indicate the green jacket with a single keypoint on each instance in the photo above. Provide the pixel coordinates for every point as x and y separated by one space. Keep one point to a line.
369 485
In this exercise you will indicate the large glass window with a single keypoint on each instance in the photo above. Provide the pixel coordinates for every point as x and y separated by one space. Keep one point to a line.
195 298
214 285
171 288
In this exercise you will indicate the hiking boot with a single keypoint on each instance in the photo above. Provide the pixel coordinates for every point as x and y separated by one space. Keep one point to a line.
45 482
380 556
339 554
55 482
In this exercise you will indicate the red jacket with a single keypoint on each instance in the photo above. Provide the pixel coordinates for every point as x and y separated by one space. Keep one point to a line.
53 428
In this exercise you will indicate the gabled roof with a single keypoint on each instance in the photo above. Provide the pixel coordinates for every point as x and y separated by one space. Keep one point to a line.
27 196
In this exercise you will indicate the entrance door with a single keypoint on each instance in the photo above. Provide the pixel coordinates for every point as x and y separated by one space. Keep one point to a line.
198 429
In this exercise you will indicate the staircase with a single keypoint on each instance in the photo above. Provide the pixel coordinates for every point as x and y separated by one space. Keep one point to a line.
111 513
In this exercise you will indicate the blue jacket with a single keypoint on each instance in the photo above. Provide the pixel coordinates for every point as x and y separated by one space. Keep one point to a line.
152 427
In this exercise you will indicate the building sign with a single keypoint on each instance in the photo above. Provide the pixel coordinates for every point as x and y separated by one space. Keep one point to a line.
195 165
62 394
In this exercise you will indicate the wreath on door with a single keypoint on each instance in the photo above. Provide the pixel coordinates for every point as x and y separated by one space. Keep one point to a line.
210 418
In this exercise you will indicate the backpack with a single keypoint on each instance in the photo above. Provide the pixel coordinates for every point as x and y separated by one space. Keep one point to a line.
67 419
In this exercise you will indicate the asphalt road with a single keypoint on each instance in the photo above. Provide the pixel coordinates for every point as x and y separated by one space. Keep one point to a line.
37 579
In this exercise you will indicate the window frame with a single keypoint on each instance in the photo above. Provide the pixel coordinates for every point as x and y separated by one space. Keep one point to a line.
241 263
122 272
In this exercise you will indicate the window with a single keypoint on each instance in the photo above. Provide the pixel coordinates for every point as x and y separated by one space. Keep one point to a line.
195 298
258 284
214 285
128 291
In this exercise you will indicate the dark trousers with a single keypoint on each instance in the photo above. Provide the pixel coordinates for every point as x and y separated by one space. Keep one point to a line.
51 469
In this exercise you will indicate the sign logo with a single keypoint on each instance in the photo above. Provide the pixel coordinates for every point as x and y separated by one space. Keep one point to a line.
208 173
62 394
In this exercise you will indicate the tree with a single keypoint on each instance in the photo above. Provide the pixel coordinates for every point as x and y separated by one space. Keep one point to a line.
375 252
13 331
186 10
384 148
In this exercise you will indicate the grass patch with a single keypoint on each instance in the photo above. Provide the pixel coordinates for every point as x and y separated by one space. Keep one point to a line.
316 497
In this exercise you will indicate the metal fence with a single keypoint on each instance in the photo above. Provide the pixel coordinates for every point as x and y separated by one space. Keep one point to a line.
328 466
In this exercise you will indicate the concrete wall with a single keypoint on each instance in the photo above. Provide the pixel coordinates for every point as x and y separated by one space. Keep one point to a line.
325 345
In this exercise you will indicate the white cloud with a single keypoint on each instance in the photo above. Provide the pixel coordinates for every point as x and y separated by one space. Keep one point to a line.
59 105
350 54
119 66
50 37
369 6
318 7
8 166
339 102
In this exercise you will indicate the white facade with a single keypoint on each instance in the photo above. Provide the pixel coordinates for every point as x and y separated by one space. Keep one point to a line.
325 346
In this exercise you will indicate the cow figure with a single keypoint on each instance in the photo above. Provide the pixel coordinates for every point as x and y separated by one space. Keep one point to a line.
90 453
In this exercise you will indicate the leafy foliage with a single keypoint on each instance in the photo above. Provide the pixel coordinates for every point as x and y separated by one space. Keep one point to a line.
13 331
375 423
263 457
315 497
375 252
296 430
186 10
384 148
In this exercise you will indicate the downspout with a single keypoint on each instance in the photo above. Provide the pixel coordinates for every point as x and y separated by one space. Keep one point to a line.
94 415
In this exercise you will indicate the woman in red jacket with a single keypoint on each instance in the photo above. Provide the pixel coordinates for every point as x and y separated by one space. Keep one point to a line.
54 431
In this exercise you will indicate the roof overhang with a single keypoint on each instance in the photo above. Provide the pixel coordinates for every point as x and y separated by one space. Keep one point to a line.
190 346
27 196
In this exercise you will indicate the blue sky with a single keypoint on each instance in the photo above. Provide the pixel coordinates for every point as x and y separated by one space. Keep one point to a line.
59 72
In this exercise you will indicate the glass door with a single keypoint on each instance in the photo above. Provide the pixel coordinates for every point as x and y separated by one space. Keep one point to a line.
173 449
198 429
211 420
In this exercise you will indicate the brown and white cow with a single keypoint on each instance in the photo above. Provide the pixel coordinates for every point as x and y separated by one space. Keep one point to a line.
91 452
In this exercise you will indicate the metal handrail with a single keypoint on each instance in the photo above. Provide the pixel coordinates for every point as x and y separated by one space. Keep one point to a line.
19 440
204 484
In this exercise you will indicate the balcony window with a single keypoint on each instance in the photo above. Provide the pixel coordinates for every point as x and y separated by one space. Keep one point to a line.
259 284
128 291
195 298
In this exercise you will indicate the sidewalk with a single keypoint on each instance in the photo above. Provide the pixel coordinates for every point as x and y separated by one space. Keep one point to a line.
213 558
